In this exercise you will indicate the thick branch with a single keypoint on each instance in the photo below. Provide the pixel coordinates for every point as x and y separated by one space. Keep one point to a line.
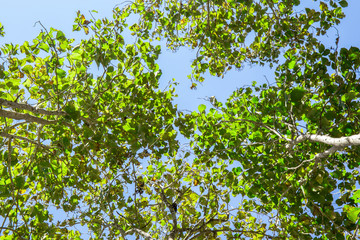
28 107
336 142
24 116
327 152
324 154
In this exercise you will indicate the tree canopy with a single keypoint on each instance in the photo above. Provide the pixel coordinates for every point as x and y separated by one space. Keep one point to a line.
87 131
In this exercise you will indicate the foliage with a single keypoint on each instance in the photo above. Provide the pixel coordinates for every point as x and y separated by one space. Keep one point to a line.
86 130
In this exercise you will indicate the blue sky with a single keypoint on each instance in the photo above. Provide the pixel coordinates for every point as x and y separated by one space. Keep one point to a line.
19 17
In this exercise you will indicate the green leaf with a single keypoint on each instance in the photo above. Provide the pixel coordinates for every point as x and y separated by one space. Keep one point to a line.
66 142
2 32
60 73
353 213
292 64
19 182
201 108
28 69
343 3
71 111
356 196
60 36
76 56
127 127
349 96
44 47
297 94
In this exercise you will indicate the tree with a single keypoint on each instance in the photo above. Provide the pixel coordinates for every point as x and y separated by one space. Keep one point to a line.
86 129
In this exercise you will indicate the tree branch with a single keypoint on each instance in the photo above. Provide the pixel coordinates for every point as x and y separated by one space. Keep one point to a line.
30 108
141 232
323 155
13 230
172 211
336 142
260 124
24 139
318 156
329 218
25 116
204 231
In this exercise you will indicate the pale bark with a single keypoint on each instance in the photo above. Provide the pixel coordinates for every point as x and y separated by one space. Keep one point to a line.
146 235
25 116
30 108
353 140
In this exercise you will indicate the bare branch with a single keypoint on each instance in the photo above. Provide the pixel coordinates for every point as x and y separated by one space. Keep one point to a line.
324 154
25 116
336 142
30 108
302 163
318 156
